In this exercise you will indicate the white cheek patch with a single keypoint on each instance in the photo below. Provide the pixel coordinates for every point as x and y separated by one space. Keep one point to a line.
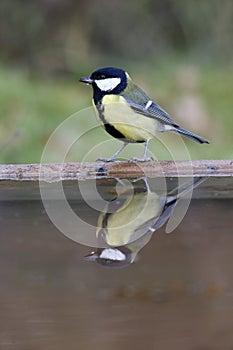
112 254
108 84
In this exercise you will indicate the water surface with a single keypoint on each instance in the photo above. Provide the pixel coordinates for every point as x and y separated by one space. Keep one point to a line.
177 294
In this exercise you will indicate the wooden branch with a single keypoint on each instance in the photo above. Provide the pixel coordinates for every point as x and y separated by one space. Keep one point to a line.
121 169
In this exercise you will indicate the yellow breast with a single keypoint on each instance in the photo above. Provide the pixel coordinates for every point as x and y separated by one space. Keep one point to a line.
132 220
132 125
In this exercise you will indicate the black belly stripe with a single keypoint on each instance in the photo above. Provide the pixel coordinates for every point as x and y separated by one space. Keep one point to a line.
110 128
113 131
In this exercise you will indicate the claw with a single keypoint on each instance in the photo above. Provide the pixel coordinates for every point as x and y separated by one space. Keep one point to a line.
105 159
134 159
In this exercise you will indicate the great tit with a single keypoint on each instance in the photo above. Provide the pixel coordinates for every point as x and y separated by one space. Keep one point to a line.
127 112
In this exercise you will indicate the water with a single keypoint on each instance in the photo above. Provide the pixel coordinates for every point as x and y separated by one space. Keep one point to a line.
178 293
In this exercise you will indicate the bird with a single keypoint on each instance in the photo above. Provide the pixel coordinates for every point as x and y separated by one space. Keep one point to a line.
127 113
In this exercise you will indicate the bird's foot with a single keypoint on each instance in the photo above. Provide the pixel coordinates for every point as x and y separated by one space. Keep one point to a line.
144 159
111 159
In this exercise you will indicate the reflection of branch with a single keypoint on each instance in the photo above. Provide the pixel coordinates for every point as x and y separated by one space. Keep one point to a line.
11 139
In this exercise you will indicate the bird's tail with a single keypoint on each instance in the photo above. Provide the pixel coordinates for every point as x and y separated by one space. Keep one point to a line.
191 135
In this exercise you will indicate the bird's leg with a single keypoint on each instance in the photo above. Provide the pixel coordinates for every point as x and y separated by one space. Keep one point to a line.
143 159
144 178
145 149
111 159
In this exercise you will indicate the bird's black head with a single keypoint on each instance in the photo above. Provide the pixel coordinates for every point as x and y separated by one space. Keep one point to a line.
108 80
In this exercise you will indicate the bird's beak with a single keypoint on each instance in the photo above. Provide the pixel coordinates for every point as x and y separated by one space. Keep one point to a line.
86 80
91 257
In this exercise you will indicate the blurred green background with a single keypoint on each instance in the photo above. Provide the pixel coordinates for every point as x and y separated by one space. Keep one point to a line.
179 51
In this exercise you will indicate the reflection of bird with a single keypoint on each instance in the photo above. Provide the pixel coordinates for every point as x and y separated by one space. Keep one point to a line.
126 112
126 226
129 228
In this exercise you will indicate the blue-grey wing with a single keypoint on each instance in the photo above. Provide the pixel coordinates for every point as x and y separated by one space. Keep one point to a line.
142 104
